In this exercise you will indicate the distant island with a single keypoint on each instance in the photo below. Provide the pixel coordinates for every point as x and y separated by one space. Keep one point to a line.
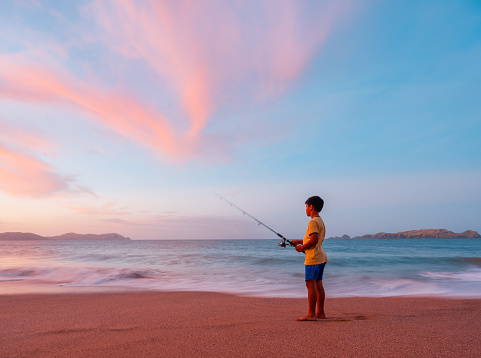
68 236
418 234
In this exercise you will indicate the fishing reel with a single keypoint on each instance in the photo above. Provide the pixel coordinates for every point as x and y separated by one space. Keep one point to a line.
286 242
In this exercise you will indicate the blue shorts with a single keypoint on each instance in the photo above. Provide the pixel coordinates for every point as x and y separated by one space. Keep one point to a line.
315 272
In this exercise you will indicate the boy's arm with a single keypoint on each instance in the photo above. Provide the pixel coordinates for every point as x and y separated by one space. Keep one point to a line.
297 242
314 239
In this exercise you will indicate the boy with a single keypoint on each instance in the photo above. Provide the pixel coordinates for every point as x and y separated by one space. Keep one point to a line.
316 259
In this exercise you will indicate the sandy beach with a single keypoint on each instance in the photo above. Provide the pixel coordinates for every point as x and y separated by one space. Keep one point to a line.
193 324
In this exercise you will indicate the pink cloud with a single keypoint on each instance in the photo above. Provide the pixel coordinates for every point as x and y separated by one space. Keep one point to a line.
23 81
24 175
27 139
217 53
205 54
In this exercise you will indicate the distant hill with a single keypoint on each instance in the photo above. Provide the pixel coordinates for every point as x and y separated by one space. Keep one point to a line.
20 236
418 234
69 236
73 236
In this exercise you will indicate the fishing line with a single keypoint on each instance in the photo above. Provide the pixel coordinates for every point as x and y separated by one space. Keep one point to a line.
283 244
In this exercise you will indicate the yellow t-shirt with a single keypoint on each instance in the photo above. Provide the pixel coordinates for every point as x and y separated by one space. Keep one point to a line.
315 255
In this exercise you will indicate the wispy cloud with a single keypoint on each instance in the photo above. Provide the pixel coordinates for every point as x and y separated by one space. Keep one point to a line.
24 81
25 175
22 171
213 53
28 139
199 53
156 72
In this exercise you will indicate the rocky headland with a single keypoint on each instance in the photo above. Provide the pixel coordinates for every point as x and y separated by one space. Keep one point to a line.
68 236
418 234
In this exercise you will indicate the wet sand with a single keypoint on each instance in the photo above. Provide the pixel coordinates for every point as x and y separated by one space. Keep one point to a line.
193 324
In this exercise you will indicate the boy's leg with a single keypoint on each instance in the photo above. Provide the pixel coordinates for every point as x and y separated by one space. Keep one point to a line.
321 296
312 299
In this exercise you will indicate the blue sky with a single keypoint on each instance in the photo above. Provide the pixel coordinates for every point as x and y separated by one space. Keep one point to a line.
120 117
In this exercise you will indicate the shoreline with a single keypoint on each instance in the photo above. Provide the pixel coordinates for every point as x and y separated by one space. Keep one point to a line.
201 324
17 287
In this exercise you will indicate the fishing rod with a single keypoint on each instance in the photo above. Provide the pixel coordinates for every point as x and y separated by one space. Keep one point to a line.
282 244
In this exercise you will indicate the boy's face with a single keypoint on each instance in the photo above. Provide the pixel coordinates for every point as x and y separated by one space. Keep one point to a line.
309 210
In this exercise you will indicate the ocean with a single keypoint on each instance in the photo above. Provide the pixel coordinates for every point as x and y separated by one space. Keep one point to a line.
361 267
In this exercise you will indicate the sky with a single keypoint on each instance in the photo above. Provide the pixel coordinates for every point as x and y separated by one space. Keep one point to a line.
128 116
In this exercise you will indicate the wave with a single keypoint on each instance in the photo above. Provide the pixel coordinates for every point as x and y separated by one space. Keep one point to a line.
471 275
65 275
265 271
475 261
465 283
223 281
432 285
401 287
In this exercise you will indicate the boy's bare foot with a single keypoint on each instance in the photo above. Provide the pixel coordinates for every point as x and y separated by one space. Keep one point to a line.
306 318
321 316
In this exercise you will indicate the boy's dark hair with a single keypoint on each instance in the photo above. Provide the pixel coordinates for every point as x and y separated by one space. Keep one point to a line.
316 202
